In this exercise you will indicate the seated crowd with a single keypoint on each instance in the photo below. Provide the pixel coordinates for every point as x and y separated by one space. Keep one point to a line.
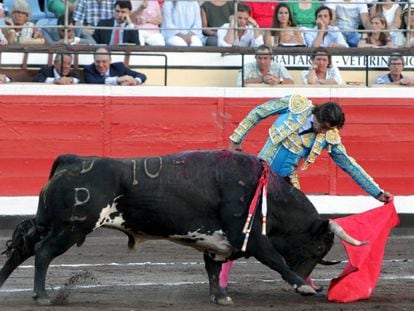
262 25
328 23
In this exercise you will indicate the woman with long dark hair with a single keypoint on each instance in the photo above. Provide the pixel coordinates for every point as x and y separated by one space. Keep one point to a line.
285 32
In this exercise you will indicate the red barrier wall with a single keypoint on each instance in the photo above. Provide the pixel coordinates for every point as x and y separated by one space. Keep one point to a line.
35 128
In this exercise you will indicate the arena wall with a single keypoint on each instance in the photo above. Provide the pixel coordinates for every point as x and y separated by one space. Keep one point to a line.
39 122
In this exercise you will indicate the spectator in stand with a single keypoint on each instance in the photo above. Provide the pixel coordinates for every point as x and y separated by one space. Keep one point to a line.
147 17
290 35
393 13
264 70
90 12
214 14
76 36
182 23
102 71
60 73
321 71
395 76
262 12
20 14
378 38
248 33
325 34
123 30
349 16
59 6
303 12
4 79
408 25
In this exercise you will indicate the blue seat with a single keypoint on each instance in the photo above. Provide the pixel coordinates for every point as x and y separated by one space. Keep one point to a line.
37 13
8 4
47 12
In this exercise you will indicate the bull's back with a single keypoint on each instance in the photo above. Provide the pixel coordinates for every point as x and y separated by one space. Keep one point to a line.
146 194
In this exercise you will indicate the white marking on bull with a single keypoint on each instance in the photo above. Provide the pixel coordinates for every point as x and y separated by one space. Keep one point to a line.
87 166
134 173
79 201
107 221
215 242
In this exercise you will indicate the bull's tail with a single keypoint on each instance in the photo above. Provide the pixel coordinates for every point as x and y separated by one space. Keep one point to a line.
20 247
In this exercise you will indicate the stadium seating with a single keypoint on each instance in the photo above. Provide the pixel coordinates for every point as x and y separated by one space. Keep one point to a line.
47 12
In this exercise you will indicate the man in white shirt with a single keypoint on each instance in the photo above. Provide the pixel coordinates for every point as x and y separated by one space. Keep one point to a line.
247 33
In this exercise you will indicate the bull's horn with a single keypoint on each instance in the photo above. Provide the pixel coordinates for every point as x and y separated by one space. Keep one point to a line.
340 232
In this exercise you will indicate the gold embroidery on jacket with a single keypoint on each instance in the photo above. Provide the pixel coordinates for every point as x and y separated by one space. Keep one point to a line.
299 104
315 151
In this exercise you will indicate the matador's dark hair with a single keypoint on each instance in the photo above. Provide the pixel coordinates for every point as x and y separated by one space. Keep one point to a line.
330 112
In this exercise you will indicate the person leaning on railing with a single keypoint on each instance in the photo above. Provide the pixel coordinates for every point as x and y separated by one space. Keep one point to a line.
264 70
25 32
102 71
395 76
60 72
321 71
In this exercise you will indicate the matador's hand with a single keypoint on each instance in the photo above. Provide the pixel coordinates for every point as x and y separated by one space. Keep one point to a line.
384 197
235 147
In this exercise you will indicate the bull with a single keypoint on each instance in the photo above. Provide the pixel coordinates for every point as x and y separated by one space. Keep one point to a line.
196 198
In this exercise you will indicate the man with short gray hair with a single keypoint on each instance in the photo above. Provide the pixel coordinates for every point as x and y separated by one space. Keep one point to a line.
264 70
395 76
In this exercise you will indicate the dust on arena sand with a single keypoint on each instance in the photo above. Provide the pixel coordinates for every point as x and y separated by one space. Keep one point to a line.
104 275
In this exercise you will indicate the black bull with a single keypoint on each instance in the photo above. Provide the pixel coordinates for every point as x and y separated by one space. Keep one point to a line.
199 199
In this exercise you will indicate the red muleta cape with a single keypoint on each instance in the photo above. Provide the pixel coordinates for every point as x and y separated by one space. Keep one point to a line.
360 276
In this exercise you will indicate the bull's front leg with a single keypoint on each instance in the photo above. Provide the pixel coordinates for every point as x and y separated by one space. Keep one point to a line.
263 251
217 294
55 244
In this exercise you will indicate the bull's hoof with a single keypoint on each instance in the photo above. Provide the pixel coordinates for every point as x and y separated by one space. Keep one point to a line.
305 290
42 300
223 301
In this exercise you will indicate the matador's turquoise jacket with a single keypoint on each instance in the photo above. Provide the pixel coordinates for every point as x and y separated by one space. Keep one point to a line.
285 148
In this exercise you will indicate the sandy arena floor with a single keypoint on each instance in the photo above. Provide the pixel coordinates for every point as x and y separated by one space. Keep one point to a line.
104 275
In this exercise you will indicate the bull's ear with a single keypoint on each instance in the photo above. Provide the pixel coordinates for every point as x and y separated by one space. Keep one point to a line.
320 227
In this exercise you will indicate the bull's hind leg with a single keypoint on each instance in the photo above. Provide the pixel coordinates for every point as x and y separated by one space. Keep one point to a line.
260 247
217 294
55 244
20 247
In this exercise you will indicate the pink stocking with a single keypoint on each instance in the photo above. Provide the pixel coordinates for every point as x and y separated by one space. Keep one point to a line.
224 274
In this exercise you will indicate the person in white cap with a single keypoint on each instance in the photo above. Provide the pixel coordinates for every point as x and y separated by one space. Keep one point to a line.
27 34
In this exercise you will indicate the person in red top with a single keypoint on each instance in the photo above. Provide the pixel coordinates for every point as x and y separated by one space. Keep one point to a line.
262 12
